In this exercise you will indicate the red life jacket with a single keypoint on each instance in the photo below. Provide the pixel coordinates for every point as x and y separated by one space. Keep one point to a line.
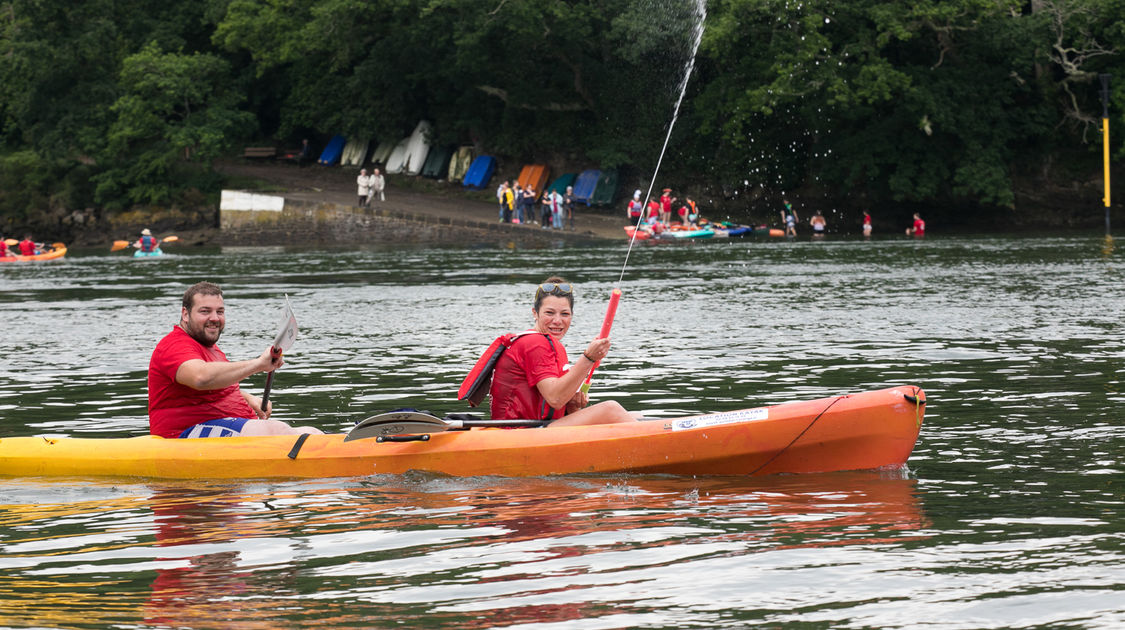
477 384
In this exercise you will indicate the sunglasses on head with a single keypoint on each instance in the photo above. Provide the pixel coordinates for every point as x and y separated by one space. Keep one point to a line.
553 288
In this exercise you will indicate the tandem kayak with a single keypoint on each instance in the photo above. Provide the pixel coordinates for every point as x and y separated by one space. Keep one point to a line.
50 254
848 432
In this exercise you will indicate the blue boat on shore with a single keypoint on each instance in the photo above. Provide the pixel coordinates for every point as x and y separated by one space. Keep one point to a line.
332 151
585 184
480 171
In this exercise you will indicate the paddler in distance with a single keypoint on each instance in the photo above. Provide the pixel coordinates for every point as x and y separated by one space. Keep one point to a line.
146 243
533 378
193 390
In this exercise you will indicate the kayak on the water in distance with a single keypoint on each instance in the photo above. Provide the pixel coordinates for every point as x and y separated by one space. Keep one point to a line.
674 232
50 252
860 431
705 230
143 254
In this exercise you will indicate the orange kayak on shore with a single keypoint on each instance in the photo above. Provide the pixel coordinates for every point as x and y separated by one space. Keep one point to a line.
847 432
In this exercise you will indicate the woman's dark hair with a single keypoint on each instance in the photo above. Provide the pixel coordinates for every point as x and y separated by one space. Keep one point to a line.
557 290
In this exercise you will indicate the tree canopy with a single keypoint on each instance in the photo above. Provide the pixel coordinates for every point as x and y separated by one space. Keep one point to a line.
122 102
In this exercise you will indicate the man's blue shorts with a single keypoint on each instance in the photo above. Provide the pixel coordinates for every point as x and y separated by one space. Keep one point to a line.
222 427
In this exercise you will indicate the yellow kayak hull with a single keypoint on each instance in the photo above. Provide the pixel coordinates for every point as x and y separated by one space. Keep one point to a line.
51 254
850 432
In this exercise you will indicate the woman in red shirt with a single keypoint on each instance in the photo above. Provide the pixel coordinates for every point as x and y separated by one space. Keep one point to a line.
532 378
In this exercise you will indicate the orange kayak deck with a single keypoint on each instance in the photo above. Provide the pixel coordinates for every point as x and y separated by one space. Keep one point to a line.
51 254
848 432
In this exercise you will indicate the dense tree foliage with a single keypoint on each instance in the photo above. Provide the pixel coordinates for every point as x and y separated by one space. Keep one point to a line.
119 102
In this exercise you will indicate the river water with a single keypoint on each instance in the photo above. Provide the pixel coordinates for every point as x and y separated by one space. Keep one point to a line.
1009 514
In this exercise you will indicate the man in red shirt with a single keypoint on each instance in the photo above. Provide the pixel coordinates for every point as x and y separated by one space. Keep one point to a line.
27 246
193 389
919 227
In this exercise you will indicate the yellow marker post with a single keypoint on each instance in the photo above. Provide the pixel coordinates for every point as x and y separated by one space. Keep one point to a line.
1105 143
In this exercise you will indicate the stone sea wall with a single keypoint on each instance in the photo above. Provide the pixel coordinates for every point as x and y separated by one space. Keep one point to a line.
257 219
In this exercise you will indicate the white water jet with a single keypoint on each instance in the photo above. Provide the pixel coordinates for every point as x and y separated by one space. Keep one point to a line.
697 37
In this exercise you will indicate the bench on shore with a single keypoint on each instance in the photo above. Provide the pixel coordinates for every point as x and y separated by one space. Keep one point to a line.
259 153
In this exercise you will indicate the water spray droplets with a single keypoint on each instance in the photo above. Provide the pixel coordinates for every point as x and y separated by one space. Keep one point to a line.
697 38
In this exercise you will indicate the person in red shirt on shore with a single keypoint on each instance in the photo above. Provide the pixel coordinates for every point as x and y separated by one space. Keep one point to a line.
666 201
193 389
919 227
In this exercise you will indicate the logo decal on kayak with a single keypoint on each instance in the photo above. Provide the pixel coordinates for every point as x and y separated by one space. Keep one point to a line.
728 417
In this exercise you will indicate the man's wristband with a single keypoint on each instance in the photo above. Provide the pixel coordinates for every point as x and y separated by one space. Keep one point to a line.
588 357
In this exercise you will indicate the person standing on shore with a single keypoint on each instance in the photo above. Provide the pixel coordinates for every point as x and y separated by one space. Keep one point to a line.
304 154
501 198
546 211
635 209
377 183
866 223
518 212
558 213
529 197
818 224
568 205
666 201
789 217
363 183
654 211
919 227
509 203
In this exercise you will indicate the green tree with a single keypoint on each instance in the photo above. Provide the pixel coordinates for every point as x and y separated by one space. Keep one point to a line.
518 77
175 109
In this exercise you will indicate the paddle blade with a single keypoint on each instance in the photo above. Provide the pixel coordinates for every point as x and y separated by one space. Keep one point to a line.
118 245
397 423
415 422
287 329
170 239
11 242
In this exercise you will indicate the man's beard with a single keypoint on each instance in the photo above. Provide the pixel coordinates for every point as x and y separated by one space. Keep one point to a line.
199 333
